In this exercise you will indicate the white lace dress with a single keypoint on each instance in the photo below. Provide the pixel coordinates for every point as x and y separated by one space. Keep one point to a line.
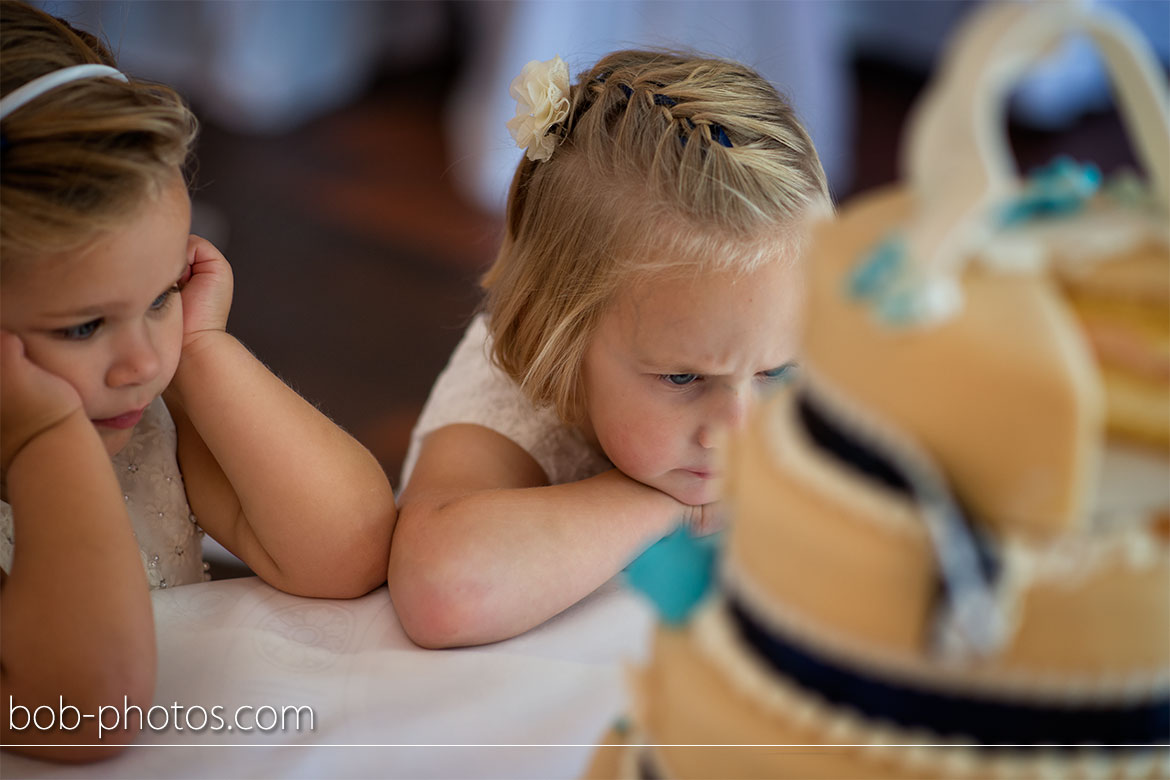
169 540
471 389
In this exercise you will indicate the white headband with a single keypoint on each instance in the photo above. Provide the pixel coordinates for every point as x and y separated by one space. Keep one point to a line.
42 84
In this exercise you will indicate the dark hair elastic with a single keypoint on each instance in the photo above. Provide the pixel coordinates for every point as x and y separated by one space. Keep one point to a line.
718 134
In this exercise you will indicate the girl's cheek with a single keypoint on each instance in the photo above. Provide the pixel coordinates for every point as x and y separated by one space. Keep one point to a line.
625 445
647 443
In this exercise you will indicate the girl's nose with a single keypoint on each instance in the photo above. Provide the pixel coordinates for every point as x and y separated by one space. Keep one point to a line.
730 412
136 361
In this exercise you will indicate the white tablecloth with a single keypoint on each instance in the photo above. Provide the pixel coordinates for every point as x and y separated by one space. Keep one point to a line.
527 707
530 707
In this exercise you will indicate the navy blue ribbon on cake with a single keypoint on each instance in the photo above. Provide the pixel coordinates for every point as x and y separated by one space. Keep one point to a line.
988 720
969 620
992 722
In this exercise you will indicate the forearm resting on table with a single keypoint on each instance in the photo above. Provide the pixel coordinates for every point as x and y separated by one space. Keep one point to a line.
77 618
492 564
312 496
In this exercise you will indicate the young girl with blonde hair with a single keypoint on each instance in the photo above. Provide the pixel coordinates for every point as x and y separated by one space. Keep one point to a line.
114 345
648 287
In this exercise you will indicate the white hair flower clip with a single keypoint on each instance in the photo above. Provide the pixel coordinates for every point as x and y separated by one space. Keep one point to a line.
542 100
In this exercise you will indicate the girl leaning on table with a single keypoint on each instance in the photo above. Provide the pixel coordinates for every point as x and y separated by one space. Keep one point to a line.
113 346
647 289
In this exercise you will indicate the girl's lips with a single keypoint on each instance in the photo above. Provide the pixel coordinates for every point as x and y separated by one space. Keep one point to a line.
127 420
702 474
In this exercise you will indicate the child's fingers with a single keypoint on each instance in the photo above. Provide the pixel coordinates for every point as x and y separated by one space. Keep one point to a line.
24 374
206 287
31 399
708 519
11 349
9 341
204 258
200 250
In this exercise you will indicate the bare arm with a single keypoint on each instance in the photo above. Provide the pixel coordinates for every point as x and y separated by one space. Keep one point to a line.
485 549
268 475
77 619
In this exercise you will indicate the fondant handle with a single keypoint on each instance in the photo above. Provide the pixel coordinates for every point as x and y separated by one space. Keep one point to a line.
955 154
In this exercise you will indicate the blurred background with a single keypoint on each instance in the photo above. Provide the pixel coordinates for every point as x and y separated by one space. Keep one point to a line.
353 159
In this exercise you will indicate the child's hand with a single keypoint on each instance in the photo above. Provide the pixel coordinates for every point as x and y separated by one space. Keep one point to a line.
32 400
707 519
206 290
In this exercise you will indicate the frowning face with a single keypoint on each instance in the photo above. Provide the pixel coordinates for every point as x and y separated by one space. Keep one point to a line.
677 361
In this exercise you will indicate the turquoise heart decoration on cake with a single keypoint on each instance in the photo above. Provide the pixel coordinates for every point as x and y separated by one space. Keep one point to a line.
675 573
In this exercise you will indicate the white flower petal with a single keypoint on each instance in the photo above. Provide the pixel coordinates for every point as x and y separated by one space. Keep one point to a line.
541 92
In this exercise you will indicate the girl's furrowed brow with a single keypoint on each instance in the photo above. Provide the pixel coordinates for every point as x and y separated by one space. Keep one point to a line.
655 366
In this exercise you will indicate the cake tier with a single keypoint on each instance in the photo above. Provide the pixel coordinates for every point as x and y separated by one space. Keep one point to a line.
705 708
852 559
1123 306
1003 394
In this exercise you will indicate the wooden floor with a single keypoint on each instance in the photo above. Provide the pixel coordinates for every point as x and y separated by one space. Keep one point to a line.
356 260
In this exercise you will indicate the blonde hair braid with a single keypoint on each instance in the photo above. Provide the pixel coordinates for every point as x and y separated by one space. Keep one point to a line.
666 162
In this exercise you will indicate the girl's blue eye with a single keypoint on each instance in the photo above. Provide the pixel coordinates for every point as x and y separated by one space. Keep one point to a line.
784 373
80 332
162 300
680 380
